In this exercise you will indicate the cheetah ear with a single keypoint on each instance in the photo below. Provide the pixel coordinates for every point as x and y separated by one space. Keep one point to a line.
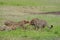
24 20
28 22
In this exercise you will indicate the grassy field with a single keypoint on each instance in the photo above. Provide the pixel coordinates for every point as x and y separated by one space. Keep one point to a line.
46 34
14 10
45 5
30 2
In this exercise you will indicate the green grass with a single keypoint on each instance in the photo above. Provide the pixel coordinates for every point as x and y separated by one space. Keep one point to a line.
46 34
19 34
31 2
46 5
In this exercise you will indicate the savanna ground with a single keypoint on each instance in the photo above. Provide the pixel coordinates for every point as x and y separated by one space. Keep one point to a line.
17 10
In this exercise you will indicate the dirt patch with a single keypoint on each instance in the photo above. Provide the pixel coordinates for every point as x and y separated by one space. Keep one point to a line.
55 13
22 10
